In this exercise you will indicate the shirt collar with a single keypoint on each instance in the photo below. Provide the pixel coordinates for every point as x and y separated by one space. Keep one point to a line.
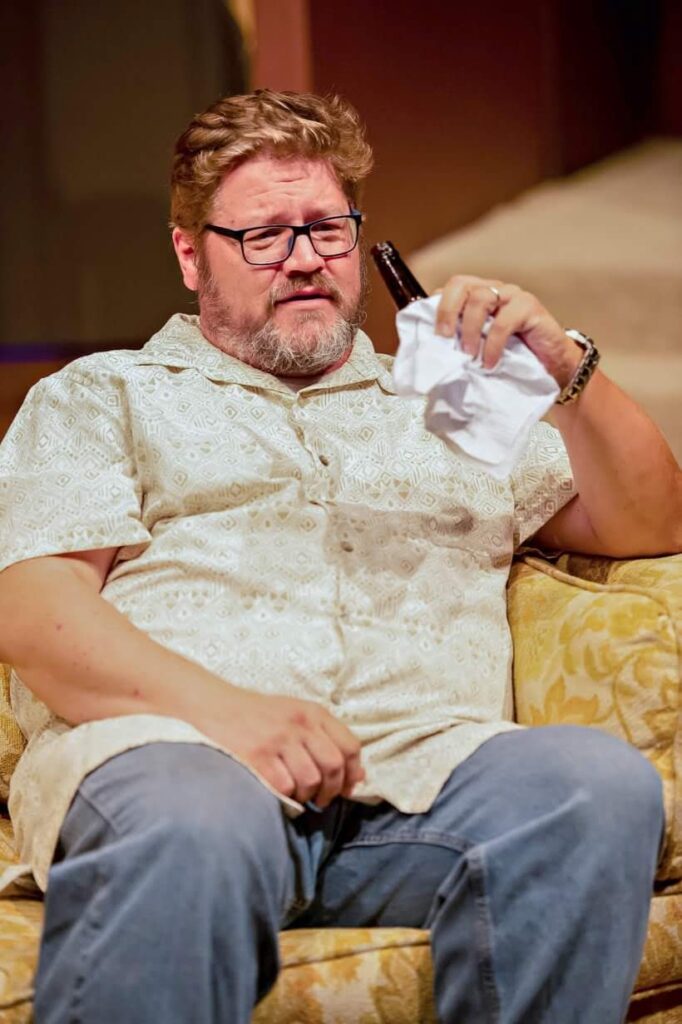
180 343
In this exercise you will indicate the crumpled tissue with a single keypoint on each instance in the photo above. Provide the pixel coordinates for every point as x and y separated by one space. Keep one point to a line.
485 414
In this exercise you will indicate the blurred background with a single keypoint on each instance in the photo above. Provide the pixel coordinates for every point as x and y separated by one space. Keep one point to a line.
539 142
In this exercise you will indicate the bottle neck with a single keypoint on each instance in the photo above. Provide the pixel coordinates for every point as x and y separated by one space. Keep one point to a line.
399 279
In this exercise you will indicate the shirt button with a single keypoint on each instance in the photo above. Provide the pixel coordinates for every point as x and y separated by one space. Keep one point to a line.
346 545
324 460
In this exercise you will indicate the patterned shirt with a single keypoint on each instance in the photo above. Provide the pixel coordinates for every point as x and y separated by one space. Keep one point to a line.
316 543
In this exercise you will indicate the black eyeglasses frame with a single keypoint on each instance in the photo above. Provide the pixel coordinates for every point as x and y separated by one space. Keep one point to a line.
297 229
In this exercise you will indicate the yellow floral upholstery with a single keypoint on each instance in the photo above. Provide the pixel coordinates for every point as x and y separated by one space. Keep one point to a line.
596 642
11 737
20 921
604 650
364 975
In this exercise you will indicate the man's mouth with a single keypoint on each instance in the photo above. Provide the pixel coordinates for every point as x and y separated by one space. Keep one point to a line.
306 295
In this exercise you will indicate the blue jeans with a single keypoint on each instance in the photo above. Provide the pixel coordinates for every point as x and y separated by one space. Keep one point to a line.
533 870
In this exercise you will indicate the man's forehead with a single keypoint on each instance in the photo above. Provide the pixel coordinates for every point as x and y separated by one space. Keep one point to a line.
268 183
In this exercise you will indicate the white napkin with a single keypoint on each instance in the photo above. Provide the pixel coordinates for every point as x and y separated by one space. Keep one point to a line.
486 414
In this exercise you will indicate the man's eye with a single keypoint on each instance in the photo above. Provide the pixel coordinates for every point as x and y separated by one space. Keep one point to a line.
329 229
263 237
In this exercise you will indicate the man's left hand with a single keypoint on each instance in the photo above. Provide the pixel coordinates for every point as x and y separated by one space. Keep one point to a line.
514 311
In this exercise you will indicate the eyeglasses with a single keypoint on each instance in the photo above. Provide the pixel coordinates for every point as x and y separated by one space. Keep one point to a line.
274 243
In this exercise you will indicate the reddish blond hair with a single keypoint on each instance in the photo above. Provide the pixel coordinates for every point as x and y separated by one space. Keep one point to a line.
283 123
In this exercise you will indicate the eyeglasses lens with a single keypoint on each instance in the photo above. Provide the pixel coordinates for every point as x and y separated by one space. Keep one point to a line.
332 236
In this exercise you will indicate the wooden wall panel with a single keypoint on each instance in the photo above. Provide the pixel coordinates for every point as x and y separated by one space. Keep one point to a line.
282 52
455 105
468 105
669 70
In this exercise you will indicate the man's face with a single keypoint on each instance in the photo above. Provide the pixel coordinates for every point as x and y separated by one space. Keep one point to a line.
297 317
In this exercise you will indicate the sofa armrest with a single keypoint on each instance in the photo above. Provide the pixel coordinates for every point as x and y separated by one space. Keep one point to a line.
598 642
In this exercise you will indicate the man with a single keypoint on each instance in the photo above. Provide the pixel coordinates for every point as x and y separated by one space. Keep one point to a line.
239 541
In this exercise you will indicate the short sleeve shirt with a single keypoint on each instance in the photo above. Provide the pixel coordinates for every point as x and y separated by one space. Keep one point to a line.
317 543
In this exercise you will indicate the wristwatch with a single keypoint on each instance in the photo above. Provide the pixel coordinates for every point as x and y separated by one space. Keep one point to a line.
585 369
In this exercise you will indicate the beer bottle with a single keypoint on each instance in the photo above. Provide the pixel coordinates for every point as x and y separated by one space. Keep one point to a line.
398 278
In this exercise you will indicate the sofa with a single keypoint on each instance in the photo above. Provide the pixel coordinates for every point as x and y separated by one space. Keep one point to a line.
597 642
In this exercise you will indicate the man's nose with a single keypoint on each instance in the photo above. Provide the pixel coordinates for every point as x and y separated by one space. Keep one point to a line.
303 258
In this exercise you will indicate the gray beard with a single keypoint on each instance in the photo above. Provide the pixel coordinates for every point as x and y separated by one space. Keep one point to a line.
270 349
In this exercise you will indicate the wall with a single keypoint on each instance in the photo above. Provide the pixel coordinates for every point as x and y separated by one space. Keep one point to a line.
98 94
466 106
668 78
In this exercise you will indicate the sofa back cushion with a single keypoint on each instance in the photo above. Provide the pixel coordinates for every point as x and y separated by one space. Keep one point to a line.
597 642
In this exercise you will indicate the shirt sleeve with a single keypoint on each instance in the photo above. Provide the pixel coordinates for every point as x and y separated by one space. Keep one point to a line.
542 482
67 472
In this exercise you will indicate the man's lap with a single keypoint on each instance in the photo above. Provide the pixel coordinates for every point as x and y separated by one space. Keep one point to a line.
386 868
352 864
173 847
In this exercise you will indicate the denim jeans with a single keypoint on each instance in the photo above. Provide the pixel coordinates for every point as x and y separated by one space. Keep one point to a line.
533 871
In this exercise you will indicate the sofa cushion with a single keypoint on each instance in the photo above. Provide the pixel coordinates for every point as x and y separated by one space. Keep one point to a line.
20 922
605 651
373 975
12 740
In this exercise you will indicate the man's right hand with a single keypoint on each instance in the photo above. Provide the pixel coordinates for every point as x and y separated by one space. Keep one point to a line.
296 745
87 661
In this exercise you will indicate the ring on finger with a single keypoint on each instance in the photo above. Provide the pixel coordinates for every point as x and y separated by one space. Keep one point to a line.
496 293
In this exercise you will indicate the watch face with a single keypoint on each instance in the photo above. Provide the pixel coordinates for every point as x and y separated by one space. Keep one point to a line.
581 338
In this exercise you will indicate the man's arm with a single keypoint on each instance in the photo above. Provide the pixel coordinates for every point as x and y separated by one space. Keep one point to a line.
86 661
629 498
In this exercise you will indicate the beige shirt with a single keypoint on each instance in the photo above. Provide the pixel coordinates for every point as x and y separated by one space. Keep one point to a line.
316 543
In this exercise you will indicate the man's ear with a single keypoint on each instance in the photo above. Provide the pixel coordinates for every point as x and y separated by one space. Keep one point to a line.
186 252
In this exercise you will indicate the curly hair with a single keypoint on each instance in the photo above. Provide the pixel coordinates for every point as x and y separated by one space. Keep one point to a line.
282 123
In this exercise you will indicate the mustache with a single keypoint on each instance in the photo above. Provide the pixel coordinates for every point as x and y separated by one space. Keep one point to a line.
289 287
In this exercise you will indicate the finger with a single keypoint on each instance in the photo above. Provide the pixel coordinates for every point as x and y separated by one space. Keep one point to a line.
450 306
302 769
348 787
454 297
331 764
510 319
277 774
482 302
351 749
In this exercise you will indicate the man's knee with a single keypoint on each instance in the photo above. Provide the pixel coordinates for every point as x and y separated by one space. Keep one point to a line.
167 847
193 797
613 779
602 785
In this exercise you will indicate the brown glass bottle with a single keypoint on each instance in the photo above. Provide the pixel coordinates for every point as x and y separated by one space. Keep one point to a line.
398 278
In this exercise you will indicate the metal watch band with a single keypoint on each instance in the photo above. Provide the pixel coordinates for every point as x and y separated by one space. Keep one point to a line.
585 369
